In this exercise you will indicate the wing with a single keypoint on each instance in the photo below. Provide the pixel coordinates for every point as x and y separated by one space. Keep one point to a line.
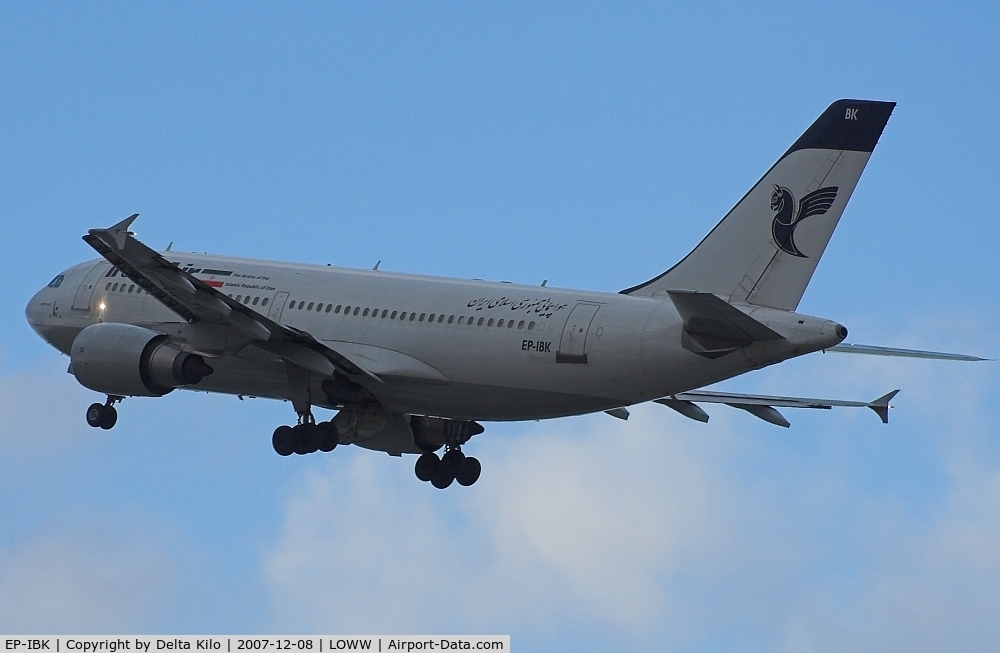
762 406
817 202
196 301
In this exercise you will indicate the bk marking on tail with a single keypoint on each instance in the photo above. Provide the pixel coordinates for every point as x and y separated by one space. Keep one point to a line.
783 226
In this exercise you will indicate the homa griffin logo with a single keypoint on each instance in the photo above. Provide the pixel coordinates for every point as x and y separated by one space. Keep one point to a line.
787 219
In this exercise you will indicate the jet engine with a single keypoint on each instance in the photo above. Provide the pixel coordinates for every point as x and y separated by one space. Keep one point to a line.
127 360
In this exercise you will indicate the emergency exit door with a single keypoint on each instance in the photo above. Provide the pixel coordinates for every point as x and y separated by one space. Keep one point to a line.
85 292
573 343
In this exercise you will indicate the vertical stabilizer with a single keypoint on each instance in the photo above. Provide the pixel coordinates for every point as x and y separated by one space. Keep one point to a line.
765 250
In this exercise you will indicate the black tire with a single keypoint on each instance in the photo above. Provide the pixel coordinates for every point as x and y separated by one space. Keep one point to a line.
283 440
300 443
453 461
442 477
95 414
426 465
328 436
307 440
109 418
470 472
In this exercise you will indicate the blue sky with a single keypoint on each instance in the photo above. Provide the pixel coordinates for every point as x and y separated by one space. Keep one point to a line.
591 145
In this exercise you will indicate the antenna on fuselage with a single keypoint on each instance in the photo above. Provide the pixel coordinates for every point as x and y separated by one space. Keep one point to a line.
544 282
377 264
169 246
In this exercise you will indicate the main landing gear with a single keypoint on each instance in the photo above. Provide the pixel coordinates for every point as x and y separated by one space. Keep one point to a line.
104 415
305 437
452 466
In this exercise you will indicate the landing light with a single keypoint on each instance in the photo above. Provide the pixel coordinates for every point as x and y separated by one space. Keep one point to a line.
101 306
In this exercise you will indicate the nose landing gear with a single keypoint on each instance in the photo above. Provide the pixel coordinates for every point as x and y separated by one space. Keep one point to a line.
104 415
453 466
305 437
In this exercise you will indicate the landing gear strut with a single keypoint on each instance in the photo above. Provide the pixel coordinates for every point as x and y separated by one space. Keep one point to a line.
305 437
104 415
452 466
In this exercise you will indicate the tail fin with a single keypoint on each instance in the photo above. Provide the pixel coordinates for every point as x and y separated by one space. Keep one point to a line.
766 249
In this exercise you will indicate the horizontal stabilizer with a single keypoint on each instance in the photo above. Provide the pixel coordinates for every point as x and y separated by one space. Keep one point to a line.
713 327
762 406
872 350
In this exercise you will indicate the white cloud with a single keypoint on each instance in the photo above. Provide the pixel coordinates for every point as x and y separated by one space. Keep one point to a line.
43 409
98 578
587 523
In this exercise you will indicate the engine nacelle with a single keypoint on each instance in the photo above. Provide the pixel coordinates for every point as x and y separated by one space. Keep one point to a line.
127 360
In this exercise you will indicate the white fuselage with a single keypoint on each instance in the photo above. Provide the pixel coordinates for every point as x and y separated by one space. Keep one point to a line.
465 349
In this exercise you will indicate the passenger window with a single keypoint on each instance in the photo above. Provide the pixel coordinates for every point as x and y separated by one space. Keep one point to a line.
347 310
328 307
131 288
402 316
510 324
319 307
461 319
422 316
384 313
412 316
309 307
337 310
255 300
246 300
490 323
264 303
393 316
440 318
356 309
480 323
500 323
239 297
107 286
520 325
431 318
451 318
531 326
365 314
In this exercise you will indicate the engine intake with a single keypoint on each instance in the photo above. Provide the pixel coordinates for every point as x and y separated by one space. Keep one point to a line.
127 360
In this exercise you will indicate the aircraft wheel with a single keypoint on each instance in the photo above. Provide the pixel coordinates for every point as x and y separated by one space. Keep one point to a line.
109 418
453 461
95 414
426 465
283 440
470 472
308 438
328 436
442 477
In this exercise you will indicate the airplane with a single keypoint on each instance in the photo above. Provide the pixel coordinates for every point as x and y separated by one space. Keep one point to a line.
412 364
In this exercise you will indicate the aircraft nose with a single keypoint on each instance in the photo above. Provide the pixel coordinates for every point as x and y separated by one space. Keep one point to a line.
33 311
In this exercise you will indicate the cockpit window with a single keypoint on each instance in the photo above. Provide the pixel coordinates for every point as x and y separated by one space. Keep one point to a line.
55 283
